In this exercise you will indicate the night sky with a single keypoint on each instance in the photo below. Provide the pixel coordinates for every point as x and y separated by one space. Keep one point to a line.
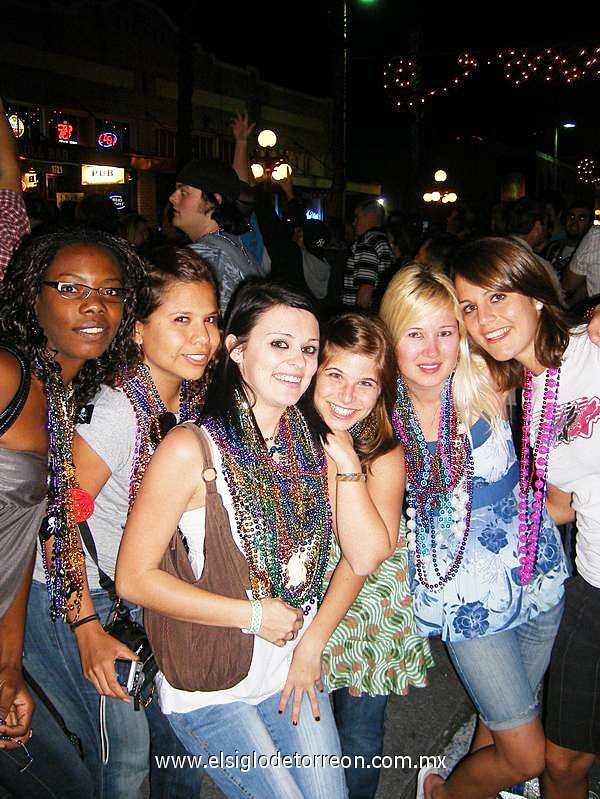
290 43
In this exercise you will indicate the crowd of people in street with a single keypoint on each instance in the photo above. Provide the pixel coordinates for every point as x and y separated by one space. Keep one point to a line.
251 463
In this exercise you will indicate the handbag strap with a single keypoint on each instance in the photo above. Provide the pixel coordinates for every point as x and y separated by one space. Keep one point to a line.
11 413
217 518
106 583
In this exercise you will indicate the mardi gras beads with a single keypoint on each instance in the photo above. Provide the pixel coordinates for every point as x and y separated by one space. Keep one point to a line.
282 508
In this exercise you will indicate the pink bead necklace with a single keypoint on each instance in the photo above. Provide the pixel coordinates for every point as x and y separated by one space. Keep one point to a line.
531 511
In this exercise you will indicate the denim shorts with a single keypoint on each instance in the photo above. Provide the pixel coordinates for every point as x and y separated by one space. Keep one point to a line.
502 672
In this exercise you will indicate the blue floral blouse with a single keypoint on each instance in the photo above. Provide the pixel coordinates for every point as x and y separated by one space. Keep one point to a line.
486 596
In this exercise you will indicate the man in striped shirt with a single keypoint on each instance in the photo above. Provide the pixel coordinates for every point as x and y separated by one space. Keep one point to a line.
369 259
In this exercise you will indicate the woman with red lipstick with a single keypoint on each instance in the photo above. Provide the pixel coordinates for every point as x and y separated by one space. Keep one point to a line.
473 583
366 642
513 315
275 486
67 310
176 335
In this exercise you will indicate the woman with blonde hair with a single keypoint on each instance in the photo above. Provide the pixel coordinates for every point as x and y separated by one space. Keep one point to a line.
497 616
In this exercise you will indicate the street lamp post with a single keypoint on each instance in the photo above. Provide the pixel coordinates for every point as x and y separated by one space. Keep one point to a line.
269 162
568 125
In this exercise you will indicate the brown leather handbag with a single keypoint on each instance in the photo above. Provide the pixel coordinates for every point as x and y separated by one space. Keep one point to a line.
197 657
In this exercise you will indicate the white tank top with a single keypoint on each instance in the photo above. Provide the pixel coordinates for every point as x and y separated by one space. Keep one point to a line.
270 664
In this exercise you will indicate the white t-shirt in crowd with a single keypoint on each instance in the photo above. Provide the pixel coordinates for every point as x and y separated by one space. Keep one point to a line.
586 260
111 433
574 464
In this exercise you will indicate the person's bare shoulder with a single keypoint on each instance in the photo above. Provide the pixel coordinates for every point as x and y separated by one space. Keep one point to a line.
10 378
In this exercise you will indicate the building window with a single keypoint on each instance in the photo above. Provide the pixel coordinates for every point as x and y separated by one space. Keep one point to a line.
227 150
164 143
202 146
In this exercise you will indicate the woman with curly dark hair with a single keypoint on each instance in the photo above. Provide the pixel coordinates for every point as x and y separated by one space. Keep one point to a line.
67 312
176 336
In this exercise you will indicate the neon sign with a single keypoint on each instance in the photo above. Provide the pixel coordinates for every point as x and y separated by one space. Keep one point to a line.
65 132
313 214
17 125
107 139
118 200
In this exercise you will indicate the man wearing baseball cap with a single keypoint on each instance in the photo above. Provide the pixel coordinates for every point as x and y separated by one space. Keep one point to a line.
204 208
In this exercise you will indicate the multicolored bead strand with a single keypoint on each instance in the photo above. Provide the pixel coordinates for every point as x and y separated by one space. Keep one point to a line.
282 507
439 485
149 409
64 568
532 491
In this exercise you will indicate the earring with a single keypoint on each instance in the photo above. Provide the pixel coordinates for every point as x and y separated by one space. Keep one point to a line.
538 305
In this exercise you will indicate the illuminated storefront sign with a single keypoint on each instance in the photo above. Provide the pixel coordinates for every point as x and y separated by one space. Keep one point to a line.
17 125
65 132
118 201
29 180
107 139
94 175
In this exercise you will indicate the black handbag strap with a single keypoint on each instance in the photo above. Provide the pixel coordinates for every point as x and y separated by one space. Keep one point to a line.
106 583
11 413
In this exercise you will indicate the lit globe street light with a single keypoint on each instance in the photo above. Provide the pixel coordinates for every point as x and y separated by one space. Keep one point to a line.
268 161
281 171
267 138
444 195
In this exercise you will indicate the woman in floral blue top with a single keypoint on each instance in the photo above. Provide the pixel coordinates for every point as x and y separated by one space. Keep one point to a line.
463 518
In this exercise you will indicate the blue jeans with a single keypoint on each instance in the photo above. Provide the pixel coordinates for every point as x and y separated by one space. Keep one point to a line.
239 731
169 782
52 755
360 723
502 672
52 658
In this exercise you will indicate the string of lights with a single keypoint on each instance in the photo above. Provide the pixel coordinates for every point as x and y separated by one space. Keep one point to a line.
519 66
586 171
548 65
400 73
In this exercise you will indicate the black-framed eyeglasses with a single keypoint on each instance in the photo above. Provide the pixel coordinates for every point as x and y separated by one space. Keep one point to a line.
79 291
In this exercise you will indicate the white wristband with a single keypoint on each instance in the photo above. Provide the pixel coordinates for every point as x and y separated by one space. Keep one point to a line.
256 621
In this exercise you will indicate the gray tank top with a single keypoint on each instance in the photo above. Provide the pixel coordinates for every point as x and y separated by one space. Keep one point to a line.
23 480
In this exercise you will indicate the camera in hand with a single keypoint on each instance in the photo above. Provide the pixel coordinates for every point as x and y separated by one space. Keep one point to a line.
129 674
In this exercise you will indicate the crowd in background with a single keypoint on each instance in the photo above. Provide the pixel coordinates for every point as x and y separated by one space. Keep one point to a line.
340 485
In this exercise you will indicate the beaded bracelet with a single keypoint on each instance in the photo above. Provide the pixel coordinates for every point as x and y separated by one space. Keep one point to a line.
351 477
92 617
257 612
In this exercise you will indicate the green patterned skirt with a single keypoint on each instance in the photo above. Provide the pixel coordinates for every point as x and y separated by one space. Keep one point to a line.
375 648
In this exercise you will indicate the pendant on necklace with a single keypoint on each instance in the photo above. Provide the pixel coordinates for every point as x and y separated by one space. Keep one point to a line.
295 570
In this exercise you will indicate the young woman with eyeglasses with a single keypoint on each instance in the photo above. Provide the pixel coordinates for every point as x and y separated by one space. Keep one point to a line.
175 337
67 310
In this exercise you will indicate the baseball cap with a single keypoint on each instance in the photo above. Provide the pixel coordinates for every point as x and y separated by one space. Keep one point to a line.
211 175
